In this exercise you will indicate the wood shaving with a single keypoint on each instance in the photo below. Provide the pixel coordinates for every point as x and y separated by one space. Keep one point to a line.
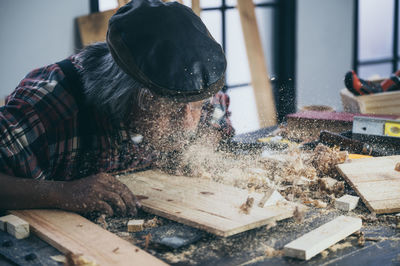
101 220
319 204
152 223
271 252
325 159
246 207
338 246
397 167
72 259
298 215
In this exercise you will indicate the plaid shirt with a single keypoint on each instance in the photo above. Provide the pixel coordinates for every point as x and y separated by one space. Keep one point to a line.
41 131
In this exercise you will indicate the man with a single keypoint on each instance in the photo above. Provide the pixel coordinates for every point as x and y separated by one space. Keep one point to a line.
66 125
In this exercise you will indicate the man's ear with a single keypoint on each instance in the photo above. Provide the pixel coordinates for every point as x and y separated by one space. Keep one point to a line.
145 99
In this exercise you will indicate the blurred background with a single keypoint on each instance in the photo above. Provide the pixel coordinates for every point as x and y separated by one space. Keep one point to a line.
309 45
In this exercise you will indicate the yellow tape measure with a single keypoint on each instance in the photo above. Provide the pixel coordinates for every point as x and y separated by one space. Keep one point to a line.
392 129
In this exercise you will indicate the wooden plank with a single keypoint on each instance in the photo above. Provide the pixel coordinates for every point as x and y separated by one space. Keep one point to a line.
322 238
259 74
202 203
375 181
70 232
93 27
196 7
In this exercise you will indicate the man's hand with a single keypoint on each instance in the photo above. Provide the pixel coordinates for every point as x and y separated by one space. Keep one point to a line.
101 193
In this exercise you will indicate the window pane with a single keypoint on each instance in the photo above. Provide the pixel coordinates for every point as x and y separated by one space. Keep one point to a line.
210 3
376 29
244 111
107 4
265 24
373 71
213 22
238 67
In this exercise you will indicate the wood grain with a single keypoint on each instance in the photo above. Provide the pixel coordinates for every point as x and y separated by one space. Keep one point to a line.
312 243
259 74
70 232
202 203
375 181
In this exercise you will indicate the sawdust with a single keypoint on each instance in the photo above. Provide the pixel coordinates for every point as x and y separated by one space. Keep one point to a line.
339 246
299 175
186 255
271 252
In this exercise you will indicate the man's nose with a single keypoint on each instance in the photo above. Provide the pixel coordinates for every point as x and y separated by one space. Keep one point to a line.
191 117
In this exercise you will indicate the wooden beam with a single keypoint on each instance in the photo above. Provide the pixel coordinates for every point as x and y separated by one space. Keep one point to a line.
322 238
259 74
196 7
71 233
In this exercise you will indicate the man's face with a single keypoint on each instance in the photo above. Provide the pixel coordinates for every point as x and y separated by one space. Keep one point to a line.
170 126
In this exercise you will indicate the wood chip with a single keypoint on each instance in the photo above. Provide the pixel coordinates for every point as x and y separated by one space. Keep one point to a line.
246 207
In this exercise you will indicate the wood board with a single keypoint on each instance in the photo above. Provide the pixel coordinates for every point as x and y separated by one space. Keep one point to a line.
375 181
312 243
93 28
262 88
202 203
70 232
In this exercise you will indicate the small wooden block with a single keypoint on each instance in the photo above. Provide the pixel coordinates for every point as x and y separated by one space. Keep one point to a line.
135 225
323 237
15 226
346 203
271 197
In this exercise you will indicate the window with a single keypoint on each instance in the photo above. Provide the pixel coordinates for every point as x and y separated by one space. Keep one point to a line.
376 50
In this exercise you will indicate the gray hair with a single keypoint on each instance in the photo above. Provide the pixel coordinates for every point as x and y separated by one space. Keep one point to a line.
106 86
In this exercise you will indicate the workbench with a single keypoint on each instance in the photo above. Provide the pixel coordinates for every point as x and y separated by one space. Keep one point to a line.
247 248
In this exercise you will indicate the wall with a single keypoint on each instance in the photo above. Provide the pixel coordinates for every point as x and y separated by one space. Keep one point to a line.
324 50
34 34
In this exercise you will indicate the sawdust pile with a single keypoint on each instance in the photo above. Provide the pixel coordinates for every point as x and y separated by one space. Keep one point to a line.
304 176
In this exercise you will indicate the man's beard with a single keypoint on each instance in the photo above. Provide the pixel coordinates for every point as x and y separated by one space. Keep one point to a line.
174 142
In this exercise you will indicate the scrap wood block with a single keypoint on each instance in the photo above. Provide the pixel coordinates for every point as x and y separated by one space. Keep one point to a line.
312 243
346 202
271 197
135 225
15 226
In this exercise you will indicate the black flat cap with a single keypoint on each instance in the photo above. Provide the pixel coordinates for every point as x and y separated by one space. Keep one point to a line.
168 48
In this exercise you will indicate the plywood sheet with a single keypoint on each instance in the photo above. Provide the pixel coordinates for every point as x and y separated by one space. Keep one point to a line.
202 203
70 232
375 181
